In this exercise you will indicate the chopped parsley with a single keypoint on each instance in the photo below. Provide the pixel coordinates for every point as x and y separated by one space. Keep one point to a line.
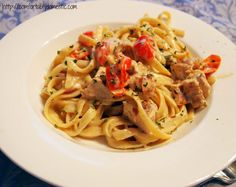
144 25
75 60
71 46
50 78
137 89
149 29
167 57
163 120
175 38
159 123
113 81
149 75
94 102
98 44
103 78
65 62
111 71
58 52
145 84
95 81
131 31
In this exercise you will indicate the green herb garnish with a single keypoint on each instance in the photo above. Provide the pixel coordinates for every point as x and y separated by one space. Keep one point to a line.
95 81
113 81
137 89
145 84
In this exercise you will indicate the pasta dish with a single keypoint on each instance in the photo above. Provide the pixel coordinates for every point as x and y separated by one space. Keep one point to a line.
134 85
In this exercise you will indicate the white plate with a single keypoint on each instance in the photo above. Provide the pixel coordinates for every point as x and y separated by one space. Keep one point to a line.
28 139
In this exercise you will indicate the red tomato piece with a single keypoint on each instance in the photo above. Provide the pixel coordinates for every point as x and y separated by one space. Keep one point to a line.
117 76
143 48
211 64
101 53
89 33
125 65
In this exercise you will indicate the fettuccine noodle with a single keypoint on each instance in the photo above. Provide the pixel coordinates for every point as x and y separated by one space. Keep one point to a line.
134 85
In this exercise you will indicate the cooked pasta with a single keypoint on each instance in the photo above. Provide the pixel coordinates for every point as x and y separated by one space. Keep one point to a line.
134 85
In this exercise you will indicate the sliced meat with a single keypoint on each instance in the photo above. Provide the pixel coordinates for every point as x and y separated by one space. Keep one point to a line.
96 90
178 95
114 110
137 71
146 83
130 110
203 83
151 108
194 93
127 50
181 71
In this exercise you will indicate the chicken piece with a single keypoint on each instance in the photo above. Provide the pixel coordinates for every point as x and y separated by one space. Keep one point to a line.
203 83
178 95
139 67
130 110
151 109
193 93
96 90
181 71
135 81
